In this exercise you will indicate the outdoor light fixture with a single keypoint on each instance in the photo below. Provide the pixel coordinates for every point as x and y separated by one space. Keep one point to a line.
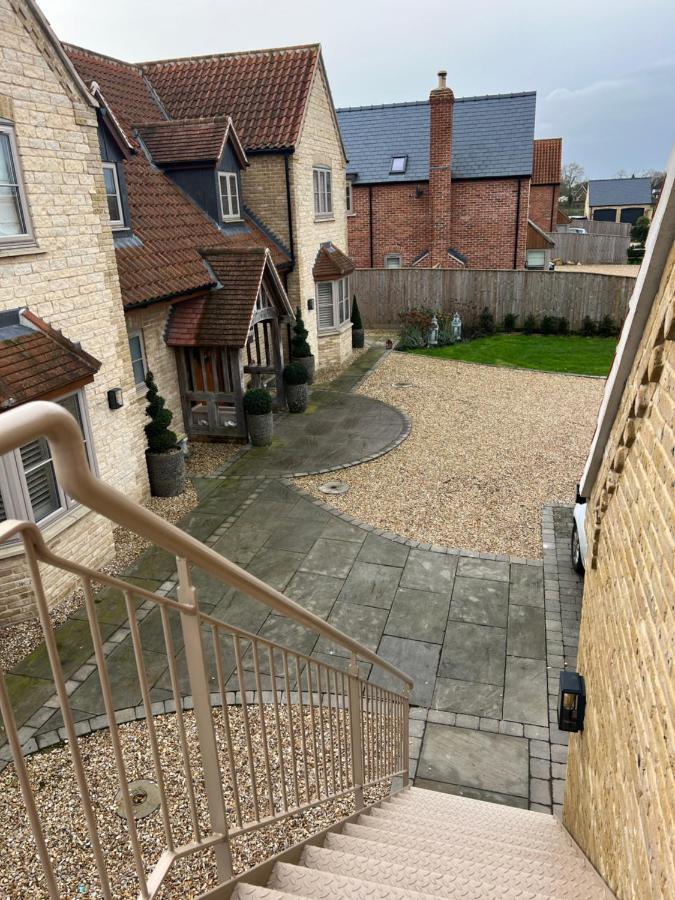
115 399
433 333
310 303
456 327
390 344
571 702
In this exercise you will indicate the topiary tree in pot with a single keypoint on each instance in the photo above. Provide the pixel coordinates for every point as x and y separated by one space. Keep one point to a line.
258 408
358 334
297 392
166 463
301 352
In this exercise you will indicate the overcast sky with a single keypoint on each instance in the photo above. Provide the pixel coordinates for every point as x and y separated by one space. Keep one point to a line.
603 70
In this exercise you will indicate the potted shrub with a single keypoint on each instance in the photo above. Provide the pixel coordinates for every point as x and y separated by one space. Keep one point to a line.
300 349
258 408
358 334
166 464
297 392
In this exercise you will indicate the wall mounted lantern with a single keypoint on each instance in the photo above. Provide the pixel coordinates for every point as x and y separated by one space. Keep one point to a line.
310 303
433 333
115 398
571 702
456 327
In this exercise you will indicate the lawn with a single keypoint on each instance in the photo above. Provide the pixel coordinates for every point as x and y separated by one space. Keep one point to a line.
548 353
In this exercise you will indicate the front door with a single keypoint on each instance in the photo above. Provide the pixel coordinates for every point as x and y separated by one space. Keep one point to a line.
210 392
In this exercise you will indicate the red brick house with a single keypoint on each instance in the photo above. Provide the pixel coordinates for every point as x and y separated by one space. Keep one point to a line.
445 182
545 187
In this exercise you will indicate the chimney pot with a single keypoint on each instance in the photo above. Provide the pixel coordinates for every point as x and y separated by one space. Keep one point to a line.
442 75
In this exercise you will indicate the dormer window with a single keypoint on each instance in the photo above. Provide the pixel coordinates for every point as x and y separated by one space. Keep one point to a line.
398 165
113 195
229 196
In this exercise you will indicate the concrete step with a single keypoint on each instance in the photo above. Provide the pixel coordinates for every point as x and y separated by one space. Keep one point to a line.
301 881
474 867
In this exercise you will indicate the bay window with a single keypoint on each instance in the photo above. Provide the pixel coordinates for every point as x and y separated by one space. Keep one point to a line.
333 303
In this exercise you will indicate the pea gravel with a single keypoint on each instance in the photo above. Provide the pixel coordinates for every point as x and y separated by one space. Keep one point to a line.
53 782
489 446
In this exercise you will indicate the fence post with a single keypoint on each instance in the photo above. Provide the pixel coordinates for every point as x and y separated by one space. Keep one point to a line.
201 698
356 731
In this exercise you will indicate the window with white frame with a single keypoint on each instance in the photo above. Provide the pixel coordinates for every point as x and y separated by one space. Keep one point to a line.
15 225
333 303
28 486
392 261
323 193
350 199
138 361
229 196
113 195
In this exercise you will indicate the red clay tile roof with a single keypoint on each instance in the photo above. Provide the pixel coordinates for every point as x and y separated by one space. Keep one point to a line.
264 91
547 161
223 318
38 361
331 263
189 140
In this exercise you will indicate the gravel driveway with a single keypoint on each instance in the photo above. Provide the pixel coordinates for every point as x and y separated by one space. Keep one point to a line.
488 448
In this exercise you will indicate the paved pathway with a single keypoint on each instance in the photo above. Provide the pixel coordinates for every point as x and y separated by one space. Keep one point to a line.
473 631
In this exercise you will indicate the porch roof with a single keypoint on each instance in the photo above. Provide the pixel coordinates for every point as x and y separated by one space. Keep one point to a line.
331 263
223 317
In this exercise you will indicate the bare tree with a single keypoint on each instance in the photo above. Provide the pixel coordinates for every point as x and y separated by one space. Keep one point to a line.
572 184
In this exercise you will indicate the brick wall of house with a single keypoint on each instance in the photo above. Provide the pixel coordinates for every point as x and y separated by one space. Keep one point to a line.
620 798
70 280
544 205
264 192
401 223
319 144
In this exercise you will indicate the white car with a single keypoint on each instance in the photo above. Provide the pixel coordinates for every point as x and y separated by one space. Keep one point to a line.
579 547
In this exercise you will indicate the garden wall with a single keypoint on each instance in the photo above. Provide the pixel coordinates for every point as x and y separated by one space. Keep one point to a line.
383 293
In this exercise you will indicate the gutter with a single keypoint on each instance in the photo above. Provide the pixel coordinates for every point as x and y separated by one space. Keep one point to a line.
658 247
289 209
515 246
370 221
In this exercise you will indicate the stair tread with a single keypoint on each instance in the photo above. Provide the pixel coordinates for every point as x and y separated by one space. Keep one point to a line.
315 883
441 805
244 891
502 871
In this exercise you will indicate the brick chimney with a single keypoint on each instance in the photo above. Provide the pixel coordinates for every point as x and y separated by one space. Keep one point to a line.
441 103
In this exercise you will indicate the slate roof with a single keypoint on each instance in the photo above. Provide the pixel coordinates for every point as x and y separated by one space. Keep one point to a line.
547 161
223 317
492 137
189 140
36 360
620 192
331 263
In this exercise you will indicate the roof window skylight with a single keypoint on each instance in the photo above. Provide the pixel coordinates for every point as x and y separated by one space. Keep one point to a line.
398 164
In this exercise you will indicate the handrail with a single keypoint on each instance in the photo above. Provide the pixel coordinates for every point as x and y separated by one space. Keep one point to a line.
51 421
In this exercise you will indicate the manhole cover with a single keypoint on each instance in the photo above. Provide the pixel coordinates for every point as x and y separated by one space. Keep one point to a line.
402 384
144 799
334 487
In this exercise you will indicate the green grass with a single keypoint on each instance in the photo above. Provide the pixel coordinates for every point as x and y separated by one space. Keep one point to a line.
550 353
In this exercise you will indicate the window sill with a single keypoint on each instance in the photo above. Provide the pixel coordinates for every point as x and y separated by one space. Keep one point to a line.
350 215
324 218
27 250
338 329
50 531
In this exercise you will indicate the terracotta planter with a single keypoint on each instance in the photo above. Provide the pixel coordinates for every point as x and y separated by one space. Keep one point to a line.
297 396
308 363
166 472
260 429
358 338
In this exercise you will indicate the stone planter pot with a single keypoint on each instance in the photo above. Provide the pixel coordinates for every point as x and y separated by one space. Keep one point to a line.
308 363
260 429
358 338
297 396
166 472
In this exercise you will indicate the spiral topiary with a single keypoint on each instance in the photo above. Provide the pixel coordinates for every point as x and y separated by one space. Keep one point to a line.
160 438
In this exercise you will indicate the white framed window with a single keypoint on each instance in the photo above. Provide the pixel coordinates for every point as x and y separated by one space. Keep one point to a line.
398 165
536 259
333 303
349 199
113 195
392 261
28 486
15 225
323 193
139 363
229 196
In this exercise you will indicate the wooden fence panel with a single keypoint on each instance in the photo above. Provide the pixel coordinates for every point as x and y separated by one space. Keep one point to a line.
593 226
590 248
383 293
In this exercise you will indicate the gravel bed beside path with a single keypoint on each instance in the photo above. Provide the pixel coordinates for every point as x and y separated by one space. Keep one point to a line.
489 446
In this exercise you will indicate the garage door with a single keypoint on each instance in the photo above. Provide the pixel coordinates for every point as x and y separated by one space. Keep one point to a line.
605 215
632 213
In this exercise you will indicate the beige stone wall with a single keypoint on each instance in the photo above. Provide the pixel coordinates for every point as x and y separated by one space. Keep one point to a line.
264 192
70 279
620 798
319 144
335 348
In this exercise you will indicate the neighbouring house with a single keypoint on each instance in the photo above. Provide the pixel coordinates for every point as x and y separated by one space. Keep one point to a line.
281 186
620 775
619 199
540 247
446 182
62 330
545 186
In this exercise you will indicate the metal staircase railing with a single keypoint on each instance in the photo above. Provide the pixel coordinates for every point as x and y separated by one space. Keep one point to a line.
312 732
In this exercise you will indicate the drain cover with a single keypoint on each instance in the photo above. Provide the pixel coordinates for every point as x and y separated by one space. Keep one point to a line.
402 384
144 799
334 487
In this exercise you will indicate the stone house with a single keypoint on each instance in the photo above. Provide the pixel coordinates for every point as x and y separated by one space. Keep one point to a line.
619 199
62 329
620 795
447 182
